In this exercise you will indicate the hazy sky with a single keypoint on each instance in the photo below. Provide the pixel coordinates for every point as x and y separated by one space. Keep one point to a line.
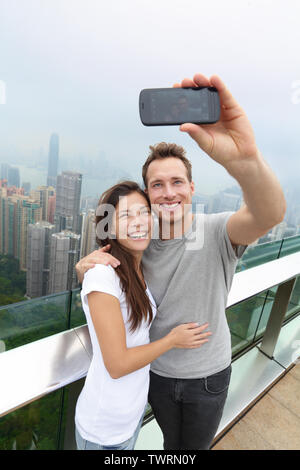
76 67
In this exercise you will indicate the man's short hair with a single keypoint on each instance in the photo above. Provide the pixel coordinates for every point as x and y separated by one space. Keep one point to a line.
164 150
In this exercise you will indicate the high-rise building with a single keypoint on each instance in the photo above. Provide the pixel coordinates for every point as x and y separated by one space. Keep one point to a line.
42 194
14 191
4 171
10 213
13 176
51 208
64 254
38 258
67 212
278 231
53 160
26 186
225 201
88 235
31 212
16 212
2 214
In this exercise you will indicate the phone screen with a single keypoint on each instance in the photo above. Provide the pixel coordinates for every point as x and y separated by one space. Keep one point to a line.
179 105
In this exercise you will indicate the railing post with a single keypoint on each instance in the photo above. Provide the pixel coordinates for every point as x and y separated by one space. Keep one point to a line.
276 317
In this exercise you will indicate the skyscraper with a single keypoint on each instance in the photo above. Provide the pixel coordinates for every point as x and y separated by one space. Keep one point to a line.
31 212
4 171
42 194
53 160
88 236
11 174
16 212
67 212
64 254
14 176
38 258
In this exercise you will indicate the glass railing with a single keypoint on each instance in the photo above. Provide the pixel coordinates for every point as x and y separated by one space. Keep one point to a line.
34 319
265 252
37 426
290 245
28 321
247 321
41 424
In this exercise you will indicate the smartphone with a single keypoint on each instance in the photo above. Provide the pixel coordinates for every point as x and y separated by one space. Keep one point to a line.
173 106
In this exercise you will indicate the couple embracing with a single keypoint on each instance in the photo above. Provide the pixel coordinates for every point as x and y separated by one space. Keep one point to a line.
155 305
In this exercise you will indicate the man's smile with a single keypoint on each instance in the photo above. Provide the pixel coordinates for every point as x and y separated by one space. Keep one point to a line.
169 206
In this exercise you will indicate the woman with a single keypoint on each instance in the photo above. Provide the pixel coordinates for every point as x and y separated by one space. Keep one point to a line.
119 309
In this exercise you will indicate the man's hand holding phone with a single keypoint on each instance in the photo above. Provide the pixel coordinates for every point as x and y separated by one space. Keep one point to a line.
230 141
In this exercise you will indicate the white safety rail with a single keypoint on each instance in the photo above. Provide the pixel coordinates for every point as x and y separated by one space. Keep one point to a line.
252 281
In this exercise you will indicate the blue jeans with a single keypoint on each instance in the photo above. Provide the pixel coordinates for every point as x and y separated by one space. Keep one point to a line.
189 411
83 444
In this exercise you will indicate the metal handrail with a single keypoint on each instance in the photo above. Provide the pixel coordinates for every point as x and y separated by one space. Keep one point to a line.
36 369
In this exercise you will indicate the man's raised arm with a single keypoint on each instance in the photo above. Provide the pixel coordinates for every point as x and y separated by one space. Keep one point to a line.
231 143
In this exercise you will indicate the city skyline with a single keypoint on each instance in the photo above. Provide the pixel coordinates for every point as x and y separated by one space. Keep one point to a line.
50 229
113 175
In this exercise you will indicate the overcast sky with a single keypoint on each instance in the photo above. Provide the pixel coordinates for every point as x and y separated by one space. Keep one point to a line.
76 67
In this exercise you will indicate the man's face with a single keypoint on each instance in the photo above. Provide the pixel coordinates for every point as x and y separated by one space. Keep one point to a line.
169 189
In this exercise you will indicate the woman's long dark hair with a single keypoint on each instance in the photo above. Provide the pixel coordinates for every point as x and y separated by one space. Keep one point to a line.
138 303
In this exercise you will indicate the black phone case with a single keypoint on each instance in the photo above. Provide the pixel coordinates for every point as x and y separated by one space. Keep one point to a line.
214 108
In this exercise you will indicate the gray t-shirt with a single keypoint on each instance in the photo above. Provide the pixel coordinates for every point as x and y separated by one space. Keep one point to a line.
190 278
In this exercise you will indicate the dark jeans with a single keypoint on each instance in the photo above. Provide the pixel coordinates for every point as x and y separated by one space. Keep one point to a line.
189 411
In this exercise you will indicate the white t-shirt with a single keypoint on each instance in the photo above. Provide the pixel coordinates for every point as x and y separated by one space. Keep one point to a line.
108 410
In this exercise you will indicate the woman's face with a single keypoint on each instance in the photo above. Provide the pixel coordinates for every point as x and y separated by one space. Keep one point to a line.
133 222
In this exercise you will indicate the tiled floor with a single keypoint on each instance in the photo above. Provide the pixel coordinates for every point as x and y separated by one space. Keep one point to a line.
273 423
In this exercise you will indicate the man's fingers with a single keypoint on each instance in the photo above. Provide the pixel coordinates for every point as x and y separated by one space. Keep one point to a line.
227 101
201 80
99 257
187 82
109 259
200 135
198 80
104 248
114 262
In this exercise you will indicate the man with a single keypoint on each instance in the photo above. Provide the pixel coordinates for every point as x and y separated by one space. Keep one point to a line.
188 388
